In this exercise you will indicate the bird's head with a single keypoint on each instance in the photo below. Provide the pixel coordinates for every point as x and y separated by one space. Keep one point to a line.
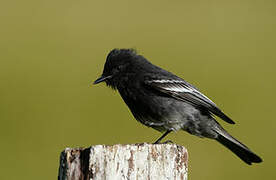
117 64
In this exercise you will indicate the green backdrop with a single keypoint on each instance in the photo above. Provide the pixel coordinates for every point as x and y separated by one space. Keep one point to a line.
50 51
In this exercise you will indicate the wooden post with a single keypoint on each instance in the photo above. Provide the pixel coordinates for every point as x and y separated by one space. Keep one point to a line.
124 162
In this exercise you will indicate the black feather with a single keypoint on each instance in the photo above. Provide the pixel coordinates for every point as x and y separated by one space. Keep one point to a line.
239 149
189 94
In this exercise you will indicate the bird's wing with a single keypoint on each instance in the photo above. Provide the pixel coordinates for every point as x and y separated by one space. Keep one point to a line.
181 90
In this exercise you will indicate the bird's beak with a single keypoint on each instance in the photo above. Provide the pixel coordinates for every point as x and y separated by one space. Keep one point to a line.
101 79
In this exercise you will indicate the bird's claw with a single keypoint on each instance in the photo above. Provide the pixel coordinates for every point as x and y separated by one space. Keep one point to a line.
165 142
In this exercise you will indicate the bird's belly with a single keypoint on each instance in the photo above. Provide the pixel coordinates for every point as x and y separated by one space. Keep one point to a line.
164 114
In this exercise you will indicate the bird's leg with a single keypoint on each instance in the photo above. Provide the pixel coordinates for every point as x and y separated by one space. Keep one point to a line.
159 139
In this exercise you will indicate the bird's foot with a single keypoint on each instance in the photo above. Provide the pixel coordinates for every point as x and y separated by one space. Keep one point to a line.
166 142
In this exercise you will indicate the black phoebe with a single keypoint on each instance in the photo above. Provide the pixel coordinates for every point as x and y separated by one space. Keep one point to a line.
165 102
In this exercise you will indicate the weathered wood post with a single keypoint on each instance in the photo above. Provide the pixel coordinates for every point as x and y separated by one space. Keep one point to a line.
126 162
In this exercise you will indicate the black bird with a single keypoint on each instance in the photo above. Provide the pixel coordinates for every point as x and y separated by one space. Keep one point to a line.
165 102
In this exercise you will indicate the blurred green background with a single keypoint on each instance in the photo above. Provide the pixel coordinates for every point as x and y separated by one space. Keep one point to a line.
51 51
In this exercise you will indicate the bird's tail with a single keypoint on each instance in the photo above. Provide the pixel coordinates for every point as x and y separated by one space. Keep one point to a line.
237 147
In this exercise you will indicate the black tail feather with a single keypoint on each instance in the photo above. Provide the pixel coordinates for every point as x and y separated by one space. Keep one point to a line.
239 149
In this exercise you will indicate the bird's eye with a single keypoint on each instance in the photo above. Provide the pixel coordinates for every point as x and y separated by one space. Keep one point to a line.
120 67
116 70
